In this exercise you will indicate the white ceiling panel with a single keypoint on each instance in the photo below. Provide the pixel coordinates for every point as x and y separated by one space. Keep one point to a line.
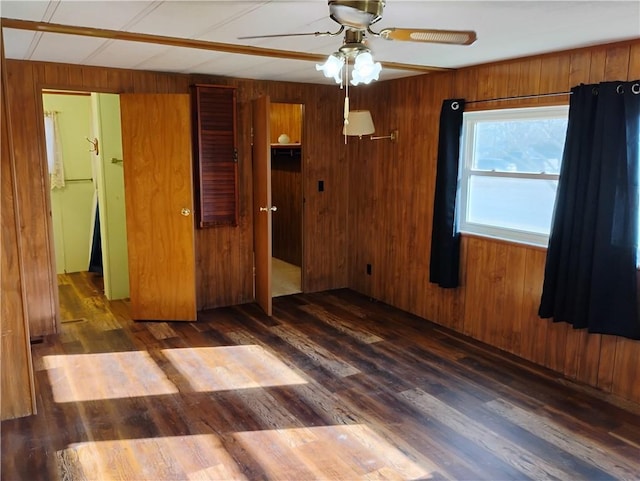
389 74
189 19
122 54
53 47
276 17
17 42
112 15
27 10
280 70
244 66
178 59
319 45
228 64
286 17
505 29
539 27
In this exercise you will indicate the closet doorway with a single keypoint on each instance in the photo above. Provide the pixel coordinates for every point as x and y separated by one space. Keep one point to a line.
286 121
84 153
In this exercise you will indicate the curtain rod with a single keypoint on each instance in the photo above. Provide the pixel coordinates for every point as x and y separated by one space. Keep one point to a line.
518 97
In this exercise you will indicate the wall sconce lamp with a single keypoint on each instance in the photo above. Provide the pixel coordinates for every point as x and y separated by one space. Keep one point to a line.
359 123
393 136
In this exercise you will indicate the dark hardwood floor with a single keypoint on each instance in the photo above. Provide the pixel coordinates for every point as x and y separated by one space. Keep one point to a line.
334 386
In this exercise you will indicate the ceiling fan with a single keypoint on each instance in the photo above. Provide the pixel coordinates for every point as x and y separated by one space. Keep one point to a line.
355 18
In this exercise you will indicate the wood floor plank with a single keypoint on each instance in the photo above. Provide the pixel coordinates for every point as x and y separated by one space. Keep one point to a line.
316 353
360 334
334 386
568 440
521 459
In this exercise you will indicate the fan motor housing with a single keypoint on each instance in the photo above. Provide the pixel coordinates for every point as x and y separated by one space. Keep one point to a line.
356 14
353 43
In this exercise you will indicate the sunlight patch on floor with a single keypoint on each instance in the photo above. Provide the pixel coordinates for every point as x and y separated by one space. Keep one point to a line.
345 452
194 458
110 375
230 367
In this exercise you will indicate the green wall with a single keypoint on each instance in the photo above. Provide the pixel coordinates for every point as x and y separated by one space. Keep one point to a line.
110 176
90 180
71 206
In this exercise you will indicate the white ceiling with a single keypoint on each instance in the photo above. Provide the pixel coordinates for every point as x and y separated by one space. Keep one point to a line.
505 29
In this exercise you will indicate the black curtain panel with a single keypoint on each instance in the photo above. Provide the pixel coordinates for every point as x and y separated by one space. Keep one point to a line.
590 273
445 239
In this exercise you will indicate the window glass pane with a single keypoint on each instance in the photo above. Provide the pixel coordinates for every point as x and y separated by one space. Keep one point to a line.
532 146
522 204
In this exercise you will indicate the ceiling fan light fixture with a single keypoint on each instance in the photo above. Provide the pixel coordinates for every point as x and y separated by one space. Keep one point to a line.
332 67
365 69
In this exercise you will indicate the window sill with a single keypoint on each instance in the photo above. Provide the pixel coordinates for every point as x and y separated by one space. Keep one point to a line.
502 240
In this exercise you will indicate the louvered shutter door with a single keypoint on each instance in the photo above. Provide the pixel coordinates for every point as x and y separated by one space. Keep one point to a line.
217 165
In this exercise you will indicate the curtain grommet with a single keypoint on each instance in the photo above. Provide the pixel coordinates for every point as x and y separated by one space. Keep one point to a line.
620 89
635 88
455 105
594 91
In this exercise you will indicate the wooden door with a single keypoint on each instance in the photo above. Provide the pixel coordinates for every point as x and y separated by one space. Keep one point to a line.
156 146
262 203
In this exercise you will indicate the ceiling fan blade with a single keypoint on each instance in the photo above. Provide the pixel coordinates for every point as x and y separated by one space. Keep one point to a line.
454 37
315 34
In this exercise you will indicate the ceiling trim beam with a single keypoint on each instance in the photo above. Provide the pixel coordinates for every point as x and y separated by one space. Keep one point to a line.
188 43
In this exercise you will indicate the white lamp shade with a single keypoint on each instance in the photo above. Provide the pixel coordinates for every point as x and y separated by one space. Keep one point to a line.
365 69
359 123
332 67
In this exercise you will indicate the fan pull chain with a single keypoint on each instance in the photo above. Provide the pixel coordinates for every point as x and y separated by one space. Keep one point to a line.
346 98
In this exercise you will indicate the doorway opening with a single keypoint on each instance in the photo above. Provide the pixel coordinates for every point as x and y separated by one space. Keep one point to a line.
286 122
84 154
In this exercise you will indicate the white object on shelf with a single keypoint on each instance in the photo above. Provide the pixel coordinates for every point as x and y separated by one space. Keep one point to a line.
284 139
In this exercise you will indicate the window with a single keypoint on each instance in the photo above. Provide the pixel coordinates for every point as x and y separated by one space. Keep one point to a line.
510 163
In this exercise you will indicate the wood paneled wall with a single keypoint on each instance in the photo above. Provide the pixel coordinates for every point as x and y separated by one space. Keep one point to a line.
325 213
223 254
16 384
382 216
391 202
286 195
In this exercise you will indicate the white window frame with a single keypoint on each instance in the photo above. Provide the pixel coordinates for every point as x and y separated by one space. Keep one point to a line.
467 152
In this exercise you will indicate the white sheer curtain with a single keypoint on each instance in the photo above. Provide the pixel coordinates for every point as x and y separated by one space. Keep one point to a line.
54 149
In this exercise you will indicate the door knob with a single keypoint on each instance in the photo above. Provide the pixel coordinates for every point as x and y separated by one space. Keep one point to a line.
185 212
267 209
